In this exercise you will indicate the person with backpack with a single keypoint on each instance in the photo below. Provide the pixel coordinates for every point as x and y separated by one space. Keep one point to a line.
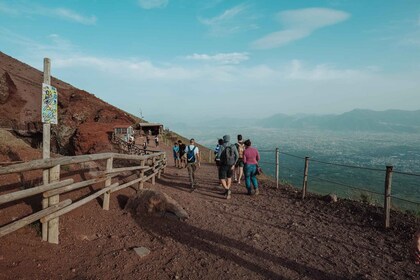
239 167
228 155
216 152
193 159
251 158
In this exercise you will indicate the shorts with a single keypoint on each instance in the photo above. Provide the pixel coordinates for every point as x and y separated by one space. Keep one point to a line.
240 163
225 172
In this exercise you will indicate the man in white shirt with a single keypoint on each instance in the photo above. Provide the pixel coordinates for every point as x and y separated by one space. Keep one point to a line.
193 160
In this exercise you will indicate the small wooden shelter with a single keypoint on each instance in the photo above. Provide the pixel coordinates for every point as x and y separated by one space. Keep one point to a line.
150 128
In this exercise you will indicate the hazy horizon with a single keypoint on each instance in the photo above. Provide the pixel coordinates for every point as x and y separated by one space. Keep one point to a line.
196 59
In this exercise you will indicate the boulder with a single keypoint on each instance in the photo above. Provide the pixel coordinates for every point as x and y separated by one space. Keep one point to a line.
154 202
332 197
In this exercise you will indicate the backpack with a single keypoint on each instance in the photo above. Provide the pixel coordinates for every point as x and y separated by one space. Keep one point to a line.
228 156
191 155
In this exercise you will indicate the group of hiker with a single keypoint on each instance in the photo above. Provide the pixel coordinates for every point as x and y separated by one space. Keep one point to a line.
232 160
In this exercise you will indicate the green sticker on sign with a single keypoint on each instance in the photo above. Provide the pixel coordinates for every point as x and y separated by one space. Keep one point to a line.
49 104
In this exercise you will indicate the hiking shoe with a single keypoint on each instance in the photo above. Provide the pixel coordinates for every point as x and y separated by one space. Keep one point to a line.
249 192
257 191
228 194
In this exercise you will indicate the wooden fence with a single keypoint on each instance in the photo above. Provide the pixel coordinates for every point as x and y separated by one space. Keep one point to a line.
147 167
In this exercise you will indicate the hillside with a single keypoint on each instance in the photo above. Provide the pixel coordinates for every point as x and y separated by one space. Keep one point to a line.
84 120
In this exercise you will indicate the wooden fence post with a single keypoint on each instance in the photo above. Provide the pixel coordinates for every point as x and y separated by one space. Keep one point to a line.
277 168
387 198
141 184
160 166
153 169
46 131
305 178
107 195
53 225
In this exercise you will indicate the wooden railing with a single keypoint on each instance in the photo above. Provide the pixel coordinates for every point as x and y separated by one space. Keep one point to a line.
147 167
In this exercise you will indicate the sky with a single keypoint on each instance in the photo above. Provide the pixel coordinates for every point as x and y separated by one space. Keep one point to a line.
198 59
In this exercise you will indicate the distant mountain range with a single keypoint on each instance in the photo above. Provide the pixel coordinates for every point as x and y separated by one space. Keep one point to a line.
398 121
356 120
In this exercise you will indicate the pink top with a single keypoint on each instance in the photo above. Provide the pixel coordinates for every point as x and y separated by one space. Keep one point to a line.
251 156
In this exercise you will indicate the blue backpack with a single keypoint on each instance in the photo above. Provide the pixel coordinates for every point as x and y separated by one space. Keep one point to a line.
191 155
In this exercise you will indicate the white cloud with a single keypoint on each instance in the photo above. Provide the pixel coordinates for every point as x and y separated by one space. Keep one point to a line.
233 20
26 8
73 16
221 58
132 82
152 4
326 72
299 24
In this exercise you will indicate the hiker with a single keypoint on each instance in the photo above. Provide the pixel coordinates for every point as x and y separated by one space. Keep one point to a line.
193 159
147 139
239 167
251 158
182 154
228 155
175 149
144 147
216 152
130 143
157 140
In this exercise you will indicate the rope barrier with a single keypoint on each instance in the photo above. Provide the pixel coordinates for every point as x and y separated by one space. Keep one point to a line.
267 162
405 200
346 165
406 173
290 155
345 185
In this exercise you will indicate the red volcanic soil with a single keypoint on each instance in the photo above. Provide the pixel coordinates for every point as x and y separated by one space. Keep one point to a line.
83 118
275 235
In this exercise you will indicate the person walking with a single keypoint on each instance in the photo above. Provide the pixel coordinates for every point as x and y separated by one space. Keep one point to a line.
182 147
251 158
175 150
157 140
216 152
228 155
193 161
239 167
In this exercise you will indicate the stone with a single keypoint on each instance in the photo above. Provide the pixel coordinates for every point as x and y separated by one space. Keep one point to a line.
332 197
155 202
142 251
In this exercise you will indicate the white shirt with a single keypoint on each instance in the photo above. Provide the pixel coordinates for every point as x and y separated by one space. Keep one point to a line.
191 148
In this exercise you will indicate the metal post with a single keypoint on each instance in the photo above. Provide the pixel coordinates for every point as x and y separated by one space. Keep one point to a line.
305 178
387 198
277 168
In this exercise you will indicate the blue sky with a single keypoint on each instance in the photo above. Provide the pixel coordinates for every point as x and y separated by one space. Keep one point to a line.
185 59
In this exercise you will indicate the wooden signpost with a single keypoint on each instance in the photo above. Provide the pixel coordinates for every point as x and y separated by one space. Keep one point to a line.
49 115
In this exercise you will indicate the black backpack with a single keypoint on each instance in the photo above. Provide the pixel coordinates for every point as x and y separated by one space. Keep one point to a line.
228 156
191 155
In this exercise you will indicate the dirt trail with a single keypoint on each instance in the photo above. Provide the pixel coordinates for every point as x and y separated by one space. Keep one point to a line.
271 236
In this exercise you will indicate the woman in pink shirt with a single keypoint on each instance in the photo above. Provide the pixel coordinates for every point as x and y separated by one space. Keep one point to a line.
251 158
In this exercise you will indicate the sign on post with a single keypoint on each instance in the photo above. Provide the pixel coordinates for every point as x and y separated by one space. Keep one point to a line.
49 104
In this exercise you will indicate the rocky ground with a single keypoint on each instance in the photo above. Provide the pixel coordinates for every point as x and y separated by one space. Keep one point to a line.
275 235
